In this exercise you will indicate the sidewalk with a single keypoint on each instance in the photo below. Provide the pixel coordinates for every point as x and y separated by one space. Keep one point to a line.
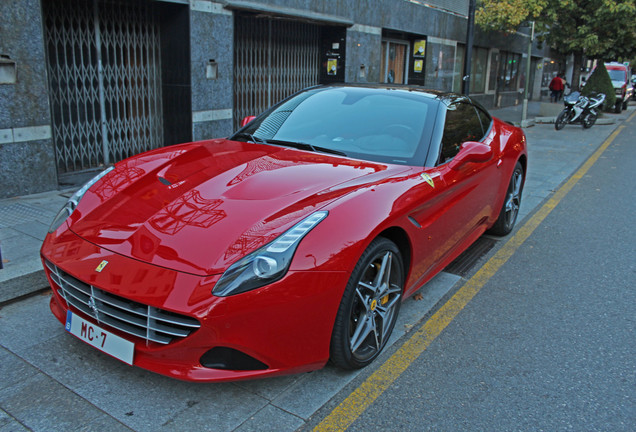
24 222
553 155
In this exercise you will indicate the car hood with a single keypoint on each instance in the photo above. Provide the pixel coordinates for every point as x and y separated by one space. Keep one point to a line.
199 207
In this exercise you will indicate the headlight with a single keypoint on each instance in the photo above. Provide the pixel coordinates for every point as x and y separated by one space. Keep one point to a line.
73 201
267 264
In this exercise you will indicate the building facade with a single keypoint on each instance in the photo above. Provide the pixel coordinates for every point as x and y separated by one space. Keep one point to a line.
86 83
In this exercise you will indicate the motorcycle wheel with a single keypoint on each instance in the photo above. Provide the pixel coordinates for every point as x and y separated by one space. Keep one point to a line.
589 121
562 119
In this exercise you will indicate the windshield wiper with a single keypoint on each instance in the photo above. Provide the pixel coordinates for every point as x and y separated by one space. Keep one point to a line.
307 146
251 137
295 144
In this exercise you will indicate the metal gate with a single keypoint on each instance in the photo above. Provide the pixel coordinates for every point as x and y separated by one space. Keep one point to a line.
273 58
105 80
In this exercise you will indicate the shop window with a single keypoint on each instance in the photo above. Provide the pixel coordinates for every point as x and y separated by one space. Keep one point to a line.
550 70
494 68
440 64
460 55
478 68
509 64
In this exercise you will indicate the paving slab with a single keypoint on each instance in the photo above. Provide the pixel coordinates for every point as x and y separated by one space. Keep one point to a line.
271 418
103 423
24 222
34 229
215 409
42 404
9 424
325 383
27 323
13 370
19 248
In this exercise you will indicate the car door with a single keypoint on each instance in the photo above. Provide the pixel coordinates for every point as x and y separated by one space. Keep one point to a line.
457 211
471 188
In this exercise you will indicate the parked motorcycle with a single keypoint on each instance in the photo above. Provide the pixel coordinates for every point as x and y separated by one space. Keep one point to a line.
579 109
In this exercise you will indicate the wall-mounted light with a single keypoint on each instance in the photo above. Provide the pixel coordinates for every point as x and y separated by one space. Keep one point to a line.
212 69
8 70
362 73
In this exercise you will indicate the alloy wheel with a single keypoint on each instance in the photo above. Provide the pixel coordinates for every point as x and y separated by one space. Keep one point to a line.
513 200
375 306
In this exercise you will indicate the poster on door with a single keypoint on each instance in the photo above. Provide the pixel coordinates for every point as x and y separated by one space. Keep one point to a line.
419 48
332 66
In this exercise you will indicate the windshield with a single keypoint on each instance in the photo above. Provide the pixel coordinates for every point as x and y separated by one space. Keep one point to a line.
384 125
617 75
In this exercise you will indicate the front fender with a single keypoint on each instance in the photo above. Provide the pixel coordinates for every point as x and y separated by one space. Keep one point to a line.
354 220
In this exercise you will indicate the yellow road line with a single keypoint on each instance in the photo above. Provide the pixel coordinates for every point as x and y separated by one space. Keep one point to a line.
358 401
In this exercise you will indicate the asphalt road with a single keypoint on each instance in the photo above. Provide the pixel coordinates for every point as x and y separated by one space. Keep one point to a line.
549 341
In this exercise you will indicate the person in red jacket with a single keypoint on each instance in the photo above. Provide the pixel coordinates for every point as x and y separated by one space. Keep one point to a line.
556 88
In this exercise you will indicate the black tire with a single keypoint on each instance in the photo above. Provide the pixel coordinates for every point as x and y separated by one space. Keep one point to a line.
625 104
510 208
371 301
562 119
589 121
618 107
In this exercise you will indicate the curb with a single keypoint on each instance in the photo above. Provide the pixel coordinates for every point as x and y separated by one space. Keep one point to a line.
22 286
549 120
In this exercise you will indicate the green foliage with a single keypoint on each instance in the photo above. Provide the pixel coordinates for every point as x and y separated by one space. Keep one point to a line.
602 29
600 82
507 15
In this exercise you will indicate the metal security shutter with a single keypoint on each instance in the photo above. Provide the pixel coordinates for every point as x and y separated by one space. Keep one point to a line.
272 59
103 115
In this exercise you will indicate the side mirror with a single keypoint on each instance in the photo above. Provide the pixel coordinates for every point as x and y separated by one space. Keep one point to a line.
246 120
471 151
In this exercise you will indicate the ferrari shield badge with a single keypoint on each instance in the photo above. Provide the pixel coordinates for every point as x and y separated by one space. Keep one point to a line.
101 266
428 179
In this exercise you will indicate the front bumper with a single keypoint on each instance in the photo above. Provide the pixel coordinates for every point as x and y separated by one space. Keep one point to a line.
286 325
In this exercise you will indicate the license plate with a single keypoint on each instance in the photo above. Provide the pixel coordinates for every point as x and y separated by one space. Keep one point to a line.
101 339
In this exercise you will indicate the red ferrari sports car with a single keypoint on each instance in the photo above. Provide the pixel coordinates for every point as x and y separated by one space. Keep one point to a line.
291 243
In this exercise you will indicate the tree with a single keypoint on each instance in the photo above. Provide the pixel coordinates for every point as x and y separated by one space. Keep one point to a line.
600 82
596 29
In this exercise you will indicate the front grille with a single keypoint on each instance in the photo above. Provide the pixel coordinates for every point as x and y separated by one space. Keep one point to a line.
146 322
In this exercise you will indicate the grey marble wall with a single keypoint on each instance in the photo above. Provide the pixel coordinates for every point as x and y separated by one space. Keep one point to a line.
211 38
27 162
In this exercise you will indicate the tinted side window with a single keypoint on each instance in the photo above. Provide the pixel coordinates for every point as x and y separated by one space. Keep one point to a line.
485 118
462 124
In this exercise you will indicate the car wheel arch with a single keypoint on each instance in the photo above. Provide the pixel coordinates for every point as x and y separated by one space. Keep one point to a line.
401 239
523 160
